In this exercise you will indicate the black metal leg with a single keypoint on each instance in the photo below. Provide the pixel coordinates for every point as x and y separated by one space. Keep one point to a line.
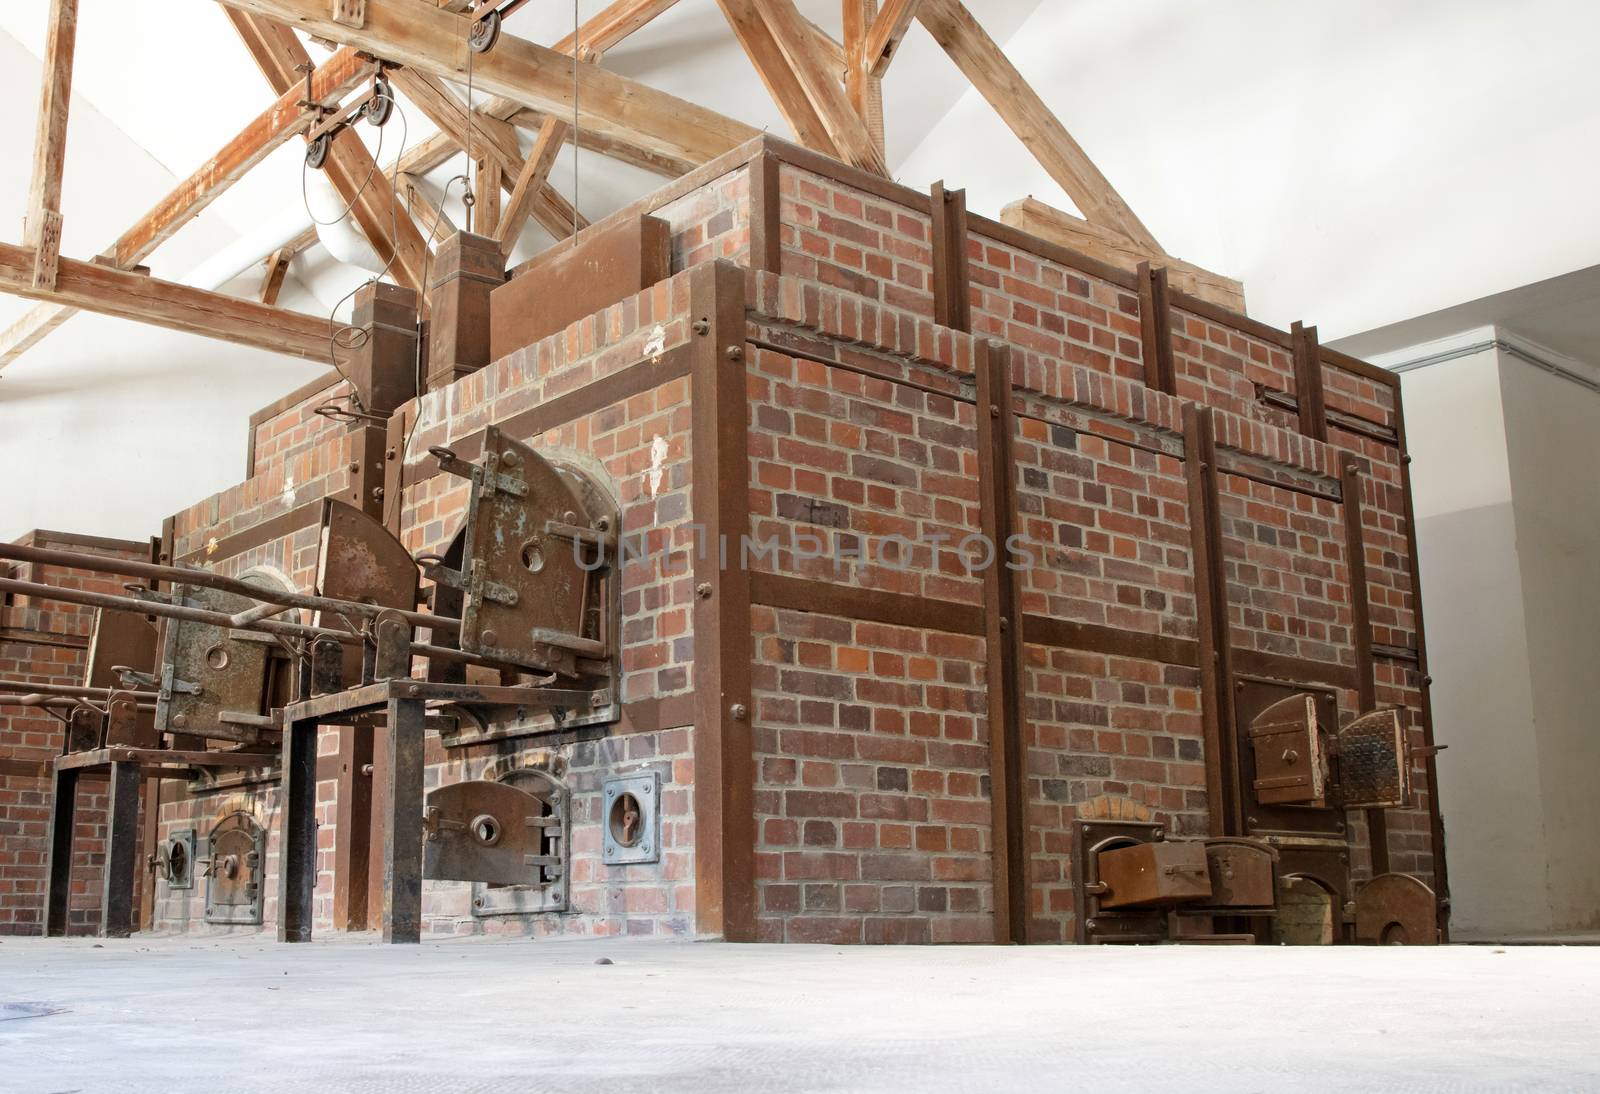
402 835
58 864
122 852
297 832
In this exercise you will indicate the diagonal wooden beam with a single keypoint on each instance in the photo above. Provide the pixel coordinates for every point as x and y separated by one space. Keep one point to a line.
822 87
864 90
766 54
92 286
886 33
532 178
609 28
272 278
42 228
284 119
281 121
1019 106
349 166
420 35
429 214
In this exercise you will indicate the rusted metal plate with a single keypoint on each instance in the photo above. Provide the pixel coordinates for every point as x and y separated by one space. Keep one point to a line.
1093 923
1374 763
1397 910
234 870
1291 765
1154 875
568 283
209 673
119 640
531 594
360 560
1242 873
491 832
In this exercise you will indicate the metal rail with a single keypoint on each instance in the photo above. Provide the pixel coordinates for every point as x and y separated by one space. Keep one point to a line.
183 575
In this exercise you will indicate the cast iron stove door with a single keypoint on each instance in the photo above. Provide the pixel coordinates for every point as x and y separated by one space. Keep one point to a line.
1291 764
212 680
237 863
491 832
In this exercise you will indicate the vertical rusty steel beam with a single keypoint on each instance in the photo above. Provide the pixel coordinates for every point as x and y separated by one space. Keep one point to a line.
1361 623
352 829
394 466
152 798
467 269
1441 874
297 832
122 852
1005 669
766 224
364 448
402 834
58 851
1155 320
724 760
1223 796
377 827
1308 399
952 302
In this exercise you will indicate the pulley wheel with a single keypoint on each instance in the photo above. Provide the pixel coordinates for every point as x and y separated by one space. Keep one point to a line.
485 33
380 107
317 152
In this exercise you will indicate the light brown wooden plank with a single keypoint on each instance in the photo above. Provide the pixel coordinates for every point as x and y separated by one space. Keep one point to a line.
886 33
822 87
1036 218
780 79
530 180
272 280
609 28
1019 106
95 287
864 90
42 229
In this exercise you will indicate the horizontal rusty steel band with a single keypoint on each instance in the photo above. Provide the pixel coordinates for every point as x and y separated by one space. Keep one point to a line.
1279 666
867 605
23 637
1069 634
24 769
608 390
308 515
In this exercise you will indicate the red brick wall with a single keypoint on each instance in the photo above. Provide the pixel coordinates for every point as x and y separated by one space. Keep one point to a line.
43 641
1065 314
872 811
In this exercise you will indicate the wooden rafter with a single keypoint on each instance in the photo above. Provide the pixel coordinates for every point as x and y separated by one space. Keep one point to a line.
280 122
272 279
42 229
609 28
97 287
532 179
418 34
864 89
349 166
1019 106
886 33
434 223
821 86
781 81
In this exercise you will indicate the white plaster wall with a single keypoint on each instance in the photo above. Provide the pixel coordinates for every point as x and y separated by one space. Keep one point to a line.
1354 162
1552 426
108 426
1467 548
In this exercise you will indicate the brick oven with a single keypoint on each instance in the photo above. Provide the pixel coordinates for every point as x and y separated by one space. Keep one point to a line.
940 545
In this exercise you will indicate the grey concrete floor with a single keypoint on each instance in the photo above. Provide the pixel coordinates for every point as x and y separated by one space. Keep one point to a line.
246 1014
